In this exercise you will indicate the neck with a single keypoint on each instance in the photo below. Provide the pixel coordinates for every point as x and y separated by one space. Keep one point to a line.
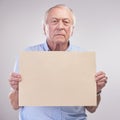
57 46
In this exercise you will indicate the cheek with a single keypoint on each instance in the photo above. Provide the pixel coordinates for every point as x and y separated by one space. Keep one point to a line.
47 31
51 31
70 31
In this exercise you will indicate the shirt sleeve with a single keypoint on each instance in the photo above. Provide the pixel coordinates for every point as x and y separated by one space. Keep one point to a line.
16 66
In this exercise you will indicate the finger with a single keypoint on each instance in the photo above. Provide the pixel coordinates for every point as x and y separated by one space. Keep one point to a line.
99 73
15 87
17 75
100 85
14 83
14 79
102 79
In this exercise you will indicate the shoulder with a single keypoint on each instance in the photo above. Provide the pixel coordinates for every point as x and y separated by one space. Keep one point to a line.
77 48
38 47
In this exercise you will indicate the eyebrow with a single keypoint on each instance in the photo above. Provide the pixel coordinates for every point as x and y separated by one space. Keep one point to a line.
61 18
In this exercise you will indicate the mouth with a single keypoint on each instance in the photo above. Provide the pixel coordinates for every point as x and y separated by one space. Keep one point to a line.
60 35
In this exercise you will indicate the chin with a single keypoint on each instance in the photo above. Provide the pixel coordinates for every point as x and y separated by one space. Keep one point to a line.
61 41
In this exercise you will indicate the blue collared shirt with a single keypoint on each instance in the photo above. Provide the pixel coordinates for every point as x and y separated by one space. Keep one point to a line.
51 112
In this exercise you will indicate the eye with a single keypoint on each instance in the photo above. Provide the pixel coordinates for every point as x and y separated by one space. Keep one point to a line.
66 22
54 21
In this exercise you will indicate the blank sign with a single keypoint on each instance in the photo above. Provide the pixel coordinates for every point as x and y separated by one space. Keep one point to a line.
57 78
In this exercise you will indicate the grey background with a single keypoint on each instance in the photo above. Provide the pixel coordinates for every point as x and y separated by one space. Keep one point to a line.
97 29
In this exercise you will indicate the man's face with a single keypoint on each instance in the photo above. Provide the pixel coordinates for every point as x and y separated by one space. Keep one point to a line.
59 25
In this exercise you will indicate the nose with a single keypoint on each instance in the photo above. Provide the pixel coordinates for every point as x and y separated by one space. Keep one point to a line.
60 25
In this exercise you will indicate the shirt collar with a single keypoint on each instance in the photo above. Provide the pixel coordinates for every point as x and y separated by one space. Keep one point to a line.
46 48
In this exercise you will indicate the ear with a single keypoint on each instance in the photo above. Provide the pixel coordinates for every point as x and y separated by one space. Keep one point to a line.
44 28
72 30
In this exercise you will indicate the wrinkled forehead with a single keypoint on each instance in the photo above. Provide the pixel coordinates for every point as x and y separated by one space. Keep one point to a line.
64 8
59 12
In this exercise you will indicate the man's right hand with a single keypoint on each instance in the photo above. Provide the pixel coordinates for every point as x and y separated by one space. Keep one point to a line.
14 80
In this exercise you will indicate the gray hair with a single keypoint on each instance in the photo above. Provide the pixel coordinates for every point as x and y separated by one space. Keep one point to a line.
59 6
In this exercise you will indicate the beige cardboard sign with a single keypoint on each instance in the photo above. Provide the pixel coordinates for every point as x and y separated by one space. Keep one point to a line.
57 78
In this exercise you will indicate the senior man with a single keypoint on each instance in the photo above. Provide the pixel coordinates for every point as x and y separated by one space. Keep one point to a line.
58 27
